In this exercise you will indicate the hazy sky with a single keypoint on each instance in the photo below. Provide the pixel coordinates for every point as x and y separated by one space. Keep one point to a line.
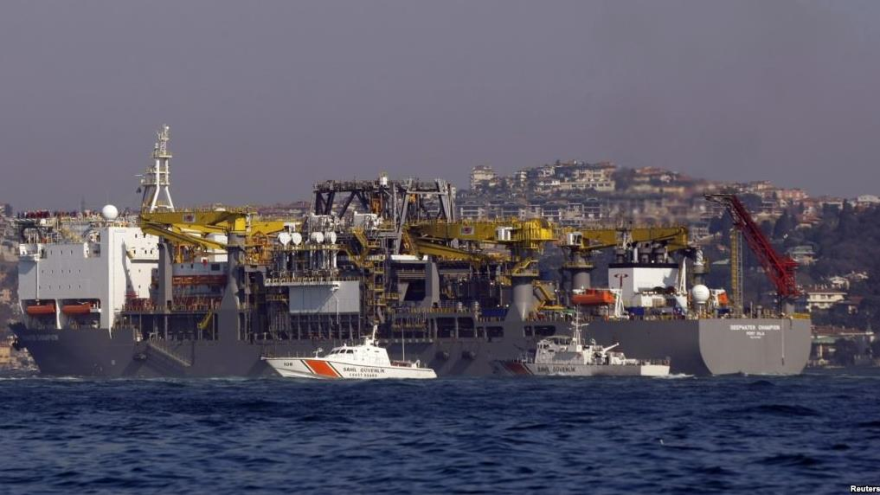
265 98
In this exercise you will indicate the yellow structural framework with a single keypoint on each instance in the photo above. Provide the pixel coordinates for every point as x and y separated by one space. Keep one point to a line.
594 239
189 227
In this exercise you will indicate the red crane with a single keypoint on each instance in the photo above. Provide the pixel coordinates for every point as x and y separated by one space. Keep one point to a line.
780 269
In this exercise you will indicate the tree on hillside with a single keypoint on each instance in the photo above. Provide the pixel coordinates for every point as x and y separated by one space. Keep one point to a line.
847 222
784 225
752 202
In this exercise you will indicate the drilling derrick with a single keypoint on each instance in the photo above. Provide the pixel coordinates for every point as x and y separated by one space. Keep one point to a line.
377 236
394 203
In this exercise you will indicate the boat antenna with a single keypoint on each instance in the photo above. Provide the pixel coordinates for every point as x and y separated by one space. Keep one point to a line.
156 182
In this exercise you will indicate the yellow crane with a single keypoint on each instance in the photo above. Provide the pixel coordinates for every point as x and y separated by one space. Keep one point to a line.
525 239
194 228
590 239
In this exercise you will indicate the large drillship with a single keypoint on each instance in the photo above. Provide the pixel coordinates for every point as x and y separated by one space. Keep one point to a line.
212 292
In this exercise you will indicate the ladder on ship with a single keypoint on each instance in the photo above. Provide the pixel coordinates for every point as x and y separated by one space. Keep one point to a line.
164 350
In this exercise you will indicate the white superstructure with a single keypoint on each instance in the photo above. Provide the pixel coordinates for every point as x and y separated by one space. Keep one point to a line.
65 283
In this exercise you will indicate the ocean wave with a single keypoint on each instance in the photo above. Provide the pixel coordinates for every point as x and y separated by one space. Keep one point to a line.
775 410
790 460
674 376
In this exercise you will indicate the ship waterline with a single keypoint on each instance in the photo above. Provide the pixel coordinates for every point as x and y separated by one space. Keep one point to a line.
694 347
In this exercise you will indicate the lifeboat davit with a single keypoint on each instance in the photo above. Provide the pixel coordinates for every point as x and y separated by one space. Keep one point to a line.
76 309
41 309
593 297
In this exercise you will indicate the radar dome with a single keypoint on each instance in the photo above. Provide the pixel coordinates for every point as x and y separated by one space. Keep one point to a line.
700 294
109 212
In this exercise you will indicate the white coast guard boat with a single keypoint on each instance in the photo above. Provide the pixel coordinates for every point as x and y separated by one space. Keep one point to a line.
567 356
366 361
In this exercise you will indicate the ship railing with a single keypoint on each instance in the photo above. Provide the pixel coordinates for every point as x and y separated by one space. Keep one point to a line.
148 306
656 362
661 317
301 280
769 314
195 306
490 319
270 353
548 317
410 325
764 313
443 309
446 310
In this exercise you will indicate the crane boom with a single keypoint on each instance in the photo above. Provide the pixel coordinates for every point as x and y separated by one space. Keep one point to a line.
595 239
780 269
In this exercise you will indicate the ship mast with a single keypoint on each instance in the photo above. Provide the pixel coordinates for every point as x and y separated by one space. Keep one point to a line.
156 182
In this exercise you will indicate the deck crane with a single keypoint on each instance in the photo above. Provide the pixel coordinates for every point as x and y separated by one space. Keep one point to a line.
779 269
200 229
578 245
525 240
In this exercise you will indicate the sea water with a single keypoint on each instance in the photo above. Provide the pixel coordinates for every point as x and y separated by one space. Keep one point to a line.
814 433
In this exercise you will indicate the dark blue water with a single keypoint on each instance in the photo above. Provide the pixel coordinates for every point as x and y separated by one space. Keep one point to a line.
806 434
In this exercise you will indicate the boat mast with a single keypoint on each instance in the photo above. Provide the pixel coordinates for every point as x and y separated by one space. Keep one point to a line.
156 183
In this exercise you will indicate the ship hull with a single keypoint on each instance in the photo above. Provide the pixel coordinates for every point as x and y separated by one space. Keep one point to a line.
767 346
97 352
694 347
519 368
322 369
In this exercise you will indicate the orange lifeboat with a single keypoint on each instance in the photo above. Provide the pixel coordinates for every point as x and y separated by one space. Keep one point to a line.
593 297
41 309
76 309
